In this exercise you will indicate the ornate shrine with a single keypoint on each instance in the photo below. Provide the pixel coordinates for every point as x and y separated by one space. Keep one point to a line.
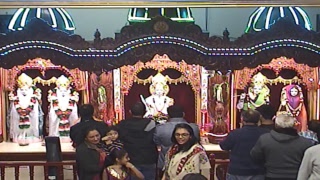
76 77
190 74
206 63
305 76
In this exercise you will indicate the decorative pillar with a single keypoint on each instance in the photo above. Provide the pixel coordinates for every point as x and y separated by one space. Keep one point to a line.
117 94
204 97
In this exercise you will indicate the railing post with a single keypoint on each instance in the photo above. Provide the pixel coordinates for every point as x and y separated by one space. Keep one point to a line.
74 172
212 160
31 172
16 172
2 169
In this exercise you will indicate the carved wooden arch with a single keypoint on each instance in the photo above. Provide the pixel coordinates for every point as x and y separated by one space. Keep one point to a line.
308 74
191 74
43 65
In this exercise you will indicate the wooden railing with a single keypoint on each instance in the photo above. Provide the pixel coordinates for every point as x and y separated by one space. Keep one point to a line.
219 168
17 164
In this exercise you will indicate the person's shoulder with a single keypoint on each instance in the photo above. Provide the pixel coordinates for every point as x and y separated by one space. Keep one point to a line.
194 125
76 126
313 149
198 148
81 147
305 141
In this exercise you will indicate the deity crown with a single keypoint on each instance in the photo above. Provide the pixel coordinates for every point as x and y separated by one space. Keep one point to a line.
24 80
259 79
159 78
63 81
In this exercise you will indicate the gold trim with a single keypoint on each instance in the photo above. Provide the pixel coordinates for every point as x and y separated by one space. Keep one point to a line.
146 3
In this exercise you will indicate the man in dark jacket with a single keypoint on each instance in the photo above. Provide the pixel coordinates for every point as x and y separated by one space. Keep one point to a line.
240 142
267 114
281 151
136 133
86 114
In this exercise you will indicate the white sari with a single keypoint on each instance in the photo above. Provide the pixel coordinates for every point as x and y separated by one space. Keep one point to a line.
195 160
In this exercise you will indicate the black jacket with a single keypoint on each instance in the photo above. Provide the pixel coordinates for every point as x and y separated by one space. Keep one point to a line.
240 142
137 137
77 132
281 151
87 160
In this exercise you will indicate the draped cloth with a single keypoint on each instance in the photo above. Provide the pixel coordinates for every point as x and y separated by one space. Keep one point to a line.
60 120
33 133
192 161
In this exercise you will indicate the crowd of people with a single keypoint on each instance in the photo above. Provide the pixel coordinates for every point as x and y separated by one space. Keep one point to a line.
266 147
269 146
138 148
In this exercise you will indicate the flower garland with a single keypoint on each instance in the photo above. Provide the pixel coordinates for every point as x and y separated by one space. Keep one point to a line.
24 114
64 123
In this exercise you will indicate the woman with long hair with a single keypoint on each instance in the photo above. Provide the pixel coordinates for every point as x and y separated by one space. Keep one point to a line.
186 154
89 157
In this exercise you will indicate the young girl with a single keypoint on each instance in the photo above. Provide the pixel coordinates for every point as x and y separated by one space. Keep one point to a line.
111 140
121 169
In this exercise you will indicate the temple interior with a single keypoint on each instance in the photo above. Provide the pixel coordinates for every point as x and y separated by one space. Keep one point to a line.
214 62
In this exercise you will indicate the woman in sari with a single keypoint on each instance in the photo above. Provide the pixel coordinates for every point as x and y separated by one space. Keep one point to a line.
185 156
90 159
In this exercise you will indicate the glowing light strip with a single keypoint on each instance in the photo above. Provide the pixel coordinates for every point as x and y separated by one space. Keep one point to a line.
281 12
65 20
267 23
38 13
250 21
24 17
53 18
122 49
146 12
70 18
257 18
307 23
294 15
178 12
14 19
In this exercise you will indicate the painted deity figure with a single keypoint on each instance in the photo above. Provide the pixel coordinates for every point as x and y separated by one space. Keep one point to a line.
258 94
102 102
158 102
63 110
26 116
220 120
292 102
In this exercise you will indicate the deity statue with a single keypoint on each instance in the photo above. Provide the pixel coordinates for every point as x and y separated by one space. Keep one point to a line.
258 93
102 102
26 116
63 112
220 120
292 102
158 102
221 92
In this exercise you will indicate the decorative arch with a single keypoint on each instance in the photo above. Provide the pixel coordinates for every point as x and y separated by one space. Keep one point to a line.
43 65
308 76
190 74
